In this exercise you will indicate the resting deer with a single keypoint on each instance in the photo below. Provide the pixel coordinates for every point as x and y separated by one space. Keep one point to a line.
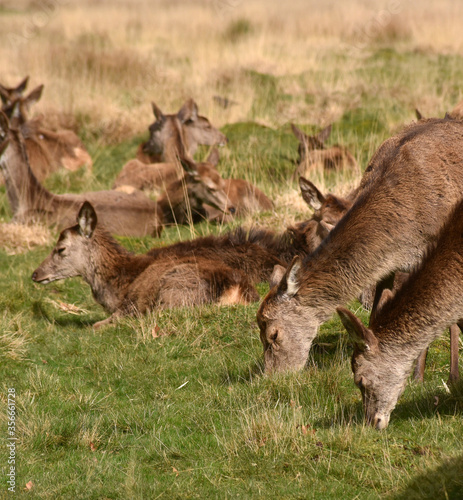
121 213
411 185
406 323
312 152
128 284
48 150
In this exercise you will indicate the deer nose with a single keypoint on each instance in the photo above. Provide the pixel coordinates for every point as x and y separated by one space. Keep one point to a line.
34 276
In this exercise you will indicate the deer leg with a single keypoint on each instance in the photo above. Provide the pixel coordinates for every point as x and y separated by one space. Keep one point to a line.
454 340
418 374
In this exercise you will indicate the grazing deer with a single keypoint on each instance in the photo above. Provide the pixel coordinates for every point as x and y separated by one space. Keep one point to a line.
312 152
411 184
121 213
127 284
406 323
329 210
48 150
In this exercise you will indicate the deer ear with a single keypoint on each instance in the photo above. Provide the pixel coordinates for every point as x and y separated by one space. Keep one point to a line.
290 282
22 86
310 194
4 95
323 135
188 112
189 166
276 276
213 157
34 96
300 136
418 114
386 296
156 111
87 219
362 336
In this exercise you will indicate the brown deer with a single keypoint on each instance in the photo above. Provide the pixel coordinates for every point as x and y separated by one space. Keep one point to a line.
121 213
48 150
411 184
312 152
328 211
186 126
187 199
128 284
406 323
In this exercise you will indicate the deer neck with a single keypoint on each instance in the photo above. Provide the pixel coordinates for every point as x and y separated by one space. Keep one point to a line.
24 191
111 269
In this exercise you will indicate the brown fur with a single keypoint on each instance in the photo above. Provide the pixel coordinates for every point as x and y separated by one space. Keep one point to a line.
410 187
312 153
47 150
129 215
427 303
124 283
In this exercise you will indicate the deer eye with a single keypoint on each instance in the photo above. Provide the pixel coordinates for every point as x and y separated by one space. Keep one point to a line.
360 384
60 250
274 336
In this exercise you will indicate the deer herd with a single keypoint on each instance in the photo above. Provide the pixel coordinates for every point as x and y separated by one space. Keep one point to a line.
397 238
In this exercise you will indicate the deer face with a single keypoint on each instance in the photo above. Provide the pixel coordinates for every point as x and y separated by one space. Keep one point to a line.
380 383
201 131
287 329
205 189
72 254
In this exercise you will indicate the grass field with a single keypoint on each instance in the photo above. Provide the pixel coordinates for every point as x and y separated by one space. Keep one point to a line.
174 405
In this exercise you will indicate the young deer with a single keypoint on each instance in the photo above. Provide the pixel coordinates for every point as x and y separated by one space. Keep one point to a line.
127 284
312 152
406 323
410 186
121 213
48 150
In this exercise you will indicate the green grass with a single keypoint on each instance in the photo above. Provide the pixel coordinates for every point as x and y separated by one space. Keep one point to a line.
186 412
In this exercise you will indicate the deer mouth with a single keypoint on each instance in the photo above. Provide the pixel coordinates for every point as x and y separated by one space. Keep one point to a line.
41 279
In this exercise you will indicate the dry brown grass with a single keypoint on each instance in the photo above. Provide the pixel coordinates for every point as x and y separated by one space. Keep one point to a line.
19 238
105 61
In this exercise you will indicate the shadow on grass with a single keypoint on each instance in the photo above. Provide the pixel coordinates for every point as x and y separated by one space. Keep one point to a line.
41 312
444 482
244 375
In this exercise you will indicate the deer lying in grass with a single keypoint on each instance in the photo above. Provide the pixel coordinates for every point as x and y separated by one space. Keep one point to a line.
48 150
194 129
128 284
312 152
405 324
411 184
121 213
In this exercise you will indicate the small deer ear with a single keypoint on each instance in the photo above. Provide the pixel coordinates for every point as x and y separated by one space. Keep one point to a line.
323 135
362 336
4 125
290 282
277 275
22 86
188 112
87 219
418 114
386 296
189 166
34 96
310 194
300 136
156 111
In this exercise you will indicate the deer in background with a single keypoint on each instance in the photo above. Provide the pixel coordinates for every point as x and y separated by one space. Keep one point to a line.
406 323
312 153
410 187
127 284
121 213
48 150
